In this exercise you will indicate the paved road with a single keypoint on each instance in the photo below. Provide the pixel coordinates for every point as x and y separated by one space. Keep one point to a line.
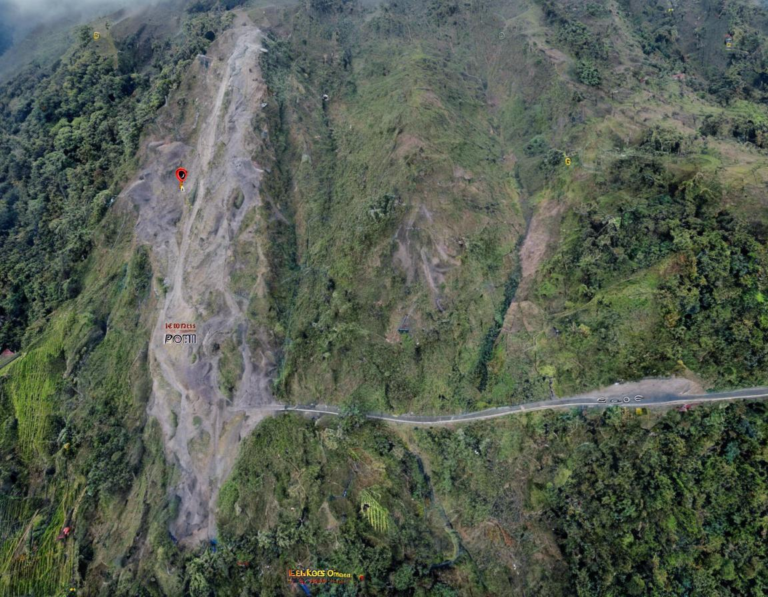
5 361
603 400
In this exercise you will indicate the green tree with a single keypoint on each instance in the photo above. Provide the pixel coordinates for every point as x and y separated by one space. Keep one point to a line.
588 73
403 579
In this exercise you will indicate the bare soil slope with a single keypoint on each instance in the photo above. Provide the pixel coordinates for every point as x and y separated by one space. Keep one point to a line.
192 235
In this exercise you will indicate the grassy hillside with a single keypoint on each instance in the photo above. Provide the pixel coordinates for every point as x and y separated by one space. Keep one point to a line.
74 450
402 256
416 145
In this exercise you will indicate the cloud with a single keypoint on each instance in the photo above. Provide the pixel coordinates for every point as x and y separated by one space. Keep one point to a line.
42 10
18 17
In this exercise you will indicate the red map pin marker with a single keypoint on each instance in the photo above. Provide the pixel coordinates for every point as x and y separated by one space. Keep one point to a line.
181 176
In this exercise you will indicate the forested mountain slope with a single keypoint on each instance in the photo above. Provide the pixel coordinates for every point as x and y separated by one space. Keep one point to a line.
416 205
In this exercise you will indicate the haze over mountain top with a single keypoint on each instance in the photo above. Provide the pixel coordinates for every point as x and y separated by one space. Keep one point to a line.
41 30
19 17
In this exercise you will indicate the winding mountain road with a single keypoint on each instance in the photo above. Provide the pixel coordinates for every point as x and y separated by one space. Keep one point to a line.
593 400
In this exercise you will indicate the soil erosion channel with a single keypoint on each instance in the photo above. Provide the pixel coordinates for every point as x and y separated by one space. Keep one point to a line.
193 235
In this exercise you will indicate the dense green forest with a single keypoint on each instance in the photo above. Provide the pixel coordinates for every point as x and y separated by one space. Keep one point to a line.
637 504
70 133
579 503
712 276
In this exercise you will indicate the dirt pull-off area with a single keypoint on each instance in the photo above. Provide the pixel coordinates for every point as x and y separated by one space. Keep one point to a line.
192 235
660 386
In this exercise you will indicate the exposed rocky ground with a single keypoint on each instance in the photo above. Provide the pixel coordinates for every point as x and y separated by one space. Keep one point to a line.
192 234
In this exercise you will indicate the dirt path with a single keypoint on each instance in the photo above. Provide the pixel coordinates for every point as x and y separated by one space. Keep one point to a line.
543 228
192 235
